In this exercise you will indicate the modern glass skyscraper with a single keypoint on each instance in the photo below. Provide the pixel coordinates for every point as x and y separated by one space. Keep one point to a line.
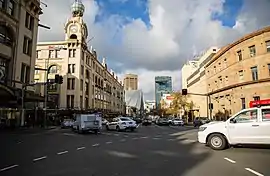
163 85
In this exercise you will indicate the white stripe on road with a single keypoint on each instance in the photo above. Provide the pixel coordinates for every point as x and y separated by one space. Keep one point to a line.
61 153
95 145
230 160
9 167
41 158
254 172
144 137
122 140
135 138
156 138
69 134
80 148
109 142
116 134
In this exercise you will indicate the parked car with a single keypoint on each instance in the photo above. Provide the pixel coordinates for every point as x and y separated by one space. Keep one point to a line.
249 126
104 121
67 123
177 122
163 122
138 120
122 123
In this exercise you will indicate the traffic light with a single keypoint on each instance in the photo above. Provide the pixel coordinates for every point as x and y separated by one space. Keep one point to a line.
184 91
61 80
56 79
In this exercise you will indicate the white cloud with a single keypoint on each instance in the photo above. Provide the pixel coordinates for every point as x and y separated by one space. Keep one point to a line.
179 29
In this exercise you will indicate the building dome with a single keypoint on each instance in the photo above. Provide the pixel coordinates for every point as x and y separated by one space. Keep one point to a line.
77 8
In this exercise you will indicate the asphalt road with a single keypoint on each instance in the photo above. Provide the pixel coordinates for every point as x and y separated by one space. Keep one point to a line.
150 151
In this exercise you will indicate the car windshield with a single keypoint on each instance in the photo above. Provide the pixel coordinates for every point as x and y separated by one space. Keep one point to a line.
125 119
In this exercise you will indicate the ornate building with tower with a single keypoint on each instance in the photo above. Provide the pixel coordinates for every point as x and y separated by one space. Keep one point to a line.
87 83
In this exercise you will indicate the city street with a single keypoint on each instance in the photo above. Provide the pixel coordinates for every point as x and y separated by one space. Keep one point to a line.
150 151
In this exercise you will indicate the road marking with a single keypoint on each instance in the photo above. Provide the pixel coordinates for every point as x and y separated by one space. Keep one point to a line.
95 145
156 138
109 142
41 158
254 172
122 140
126 136
9 167
228 159
171 139
19 142
80 148
144 137
116 134
61 153
69 134
135 138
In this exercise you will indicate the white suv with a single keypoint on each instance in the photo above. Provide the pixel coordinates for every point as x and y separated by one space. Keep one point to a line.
249 126
121 123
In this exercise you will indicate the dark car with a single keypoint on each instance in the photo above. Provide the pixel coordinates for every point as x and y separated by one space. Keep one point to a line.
138 120
146 121
163 122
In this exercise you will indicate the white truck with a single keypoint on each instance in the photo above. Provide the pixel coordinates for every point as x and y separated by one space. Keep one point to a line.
88 122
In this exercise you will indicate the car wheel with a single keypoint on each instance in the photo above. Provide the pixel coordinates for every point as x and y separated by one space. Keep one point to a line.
117 128
217 142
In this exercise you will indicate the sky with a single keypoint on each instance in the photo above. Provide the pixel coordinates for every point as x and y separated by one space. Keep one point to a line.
156 37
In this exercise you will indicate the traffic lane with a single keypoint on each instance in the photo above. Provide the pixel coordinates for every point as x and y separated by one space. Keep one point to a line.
46 144
133 157
254 158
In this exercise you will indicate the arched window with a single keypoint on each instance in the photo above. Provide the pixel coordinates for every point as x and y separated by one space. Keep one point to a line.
6 35
73 36
53 69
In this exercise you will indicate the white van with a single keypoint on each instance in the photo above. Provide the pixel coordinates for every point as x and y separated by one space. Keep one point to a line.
249 126
88 122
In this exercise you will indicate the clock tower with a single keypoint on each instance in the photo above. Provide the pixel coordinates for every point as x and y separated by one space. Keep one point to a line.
75 28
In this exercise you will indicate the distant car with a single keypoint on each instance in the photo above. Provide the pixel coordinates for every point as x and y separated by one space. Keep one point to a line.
177 122
122 123
163 122
138 120
147 121
67 123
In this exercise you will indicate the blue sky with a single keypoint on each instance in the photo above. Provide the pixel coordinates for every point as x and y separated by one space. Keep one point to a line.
138 9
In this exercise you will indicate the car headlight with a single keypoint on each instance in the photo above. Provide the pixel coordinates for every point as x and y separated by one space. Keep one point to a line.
202 128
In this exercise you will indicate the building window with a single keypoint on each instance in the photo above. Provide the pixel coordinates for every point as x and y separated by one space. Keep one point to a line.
70 101
82 70
81 102
252 51
254 72
239 55
81 85
215 69
38 54
267 46
71 83
57 53
220 79
2 4
241 74
29 21
27 46
82 55
71 68
225 63
5 36
243 102
86 88
72 53
25 73
51 54
256 98
268 68
226 78
11 7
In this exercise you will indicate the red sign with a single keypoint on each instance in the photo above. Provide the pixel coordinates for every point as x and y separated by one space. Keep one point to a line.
169 97
265 102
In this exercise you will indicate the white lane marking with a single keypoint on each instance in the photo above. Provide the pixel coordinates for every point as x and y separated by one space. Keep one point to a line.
95 145
109 142
156 138
69 134
122 140
9 167
171 139
41 158
126 136
135 138
116 134
254 172
144 137
61 153
80 148
230 160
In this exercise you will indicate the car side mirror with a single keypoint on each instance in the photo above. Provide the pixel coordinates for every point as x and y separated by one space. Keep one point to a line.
232 121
